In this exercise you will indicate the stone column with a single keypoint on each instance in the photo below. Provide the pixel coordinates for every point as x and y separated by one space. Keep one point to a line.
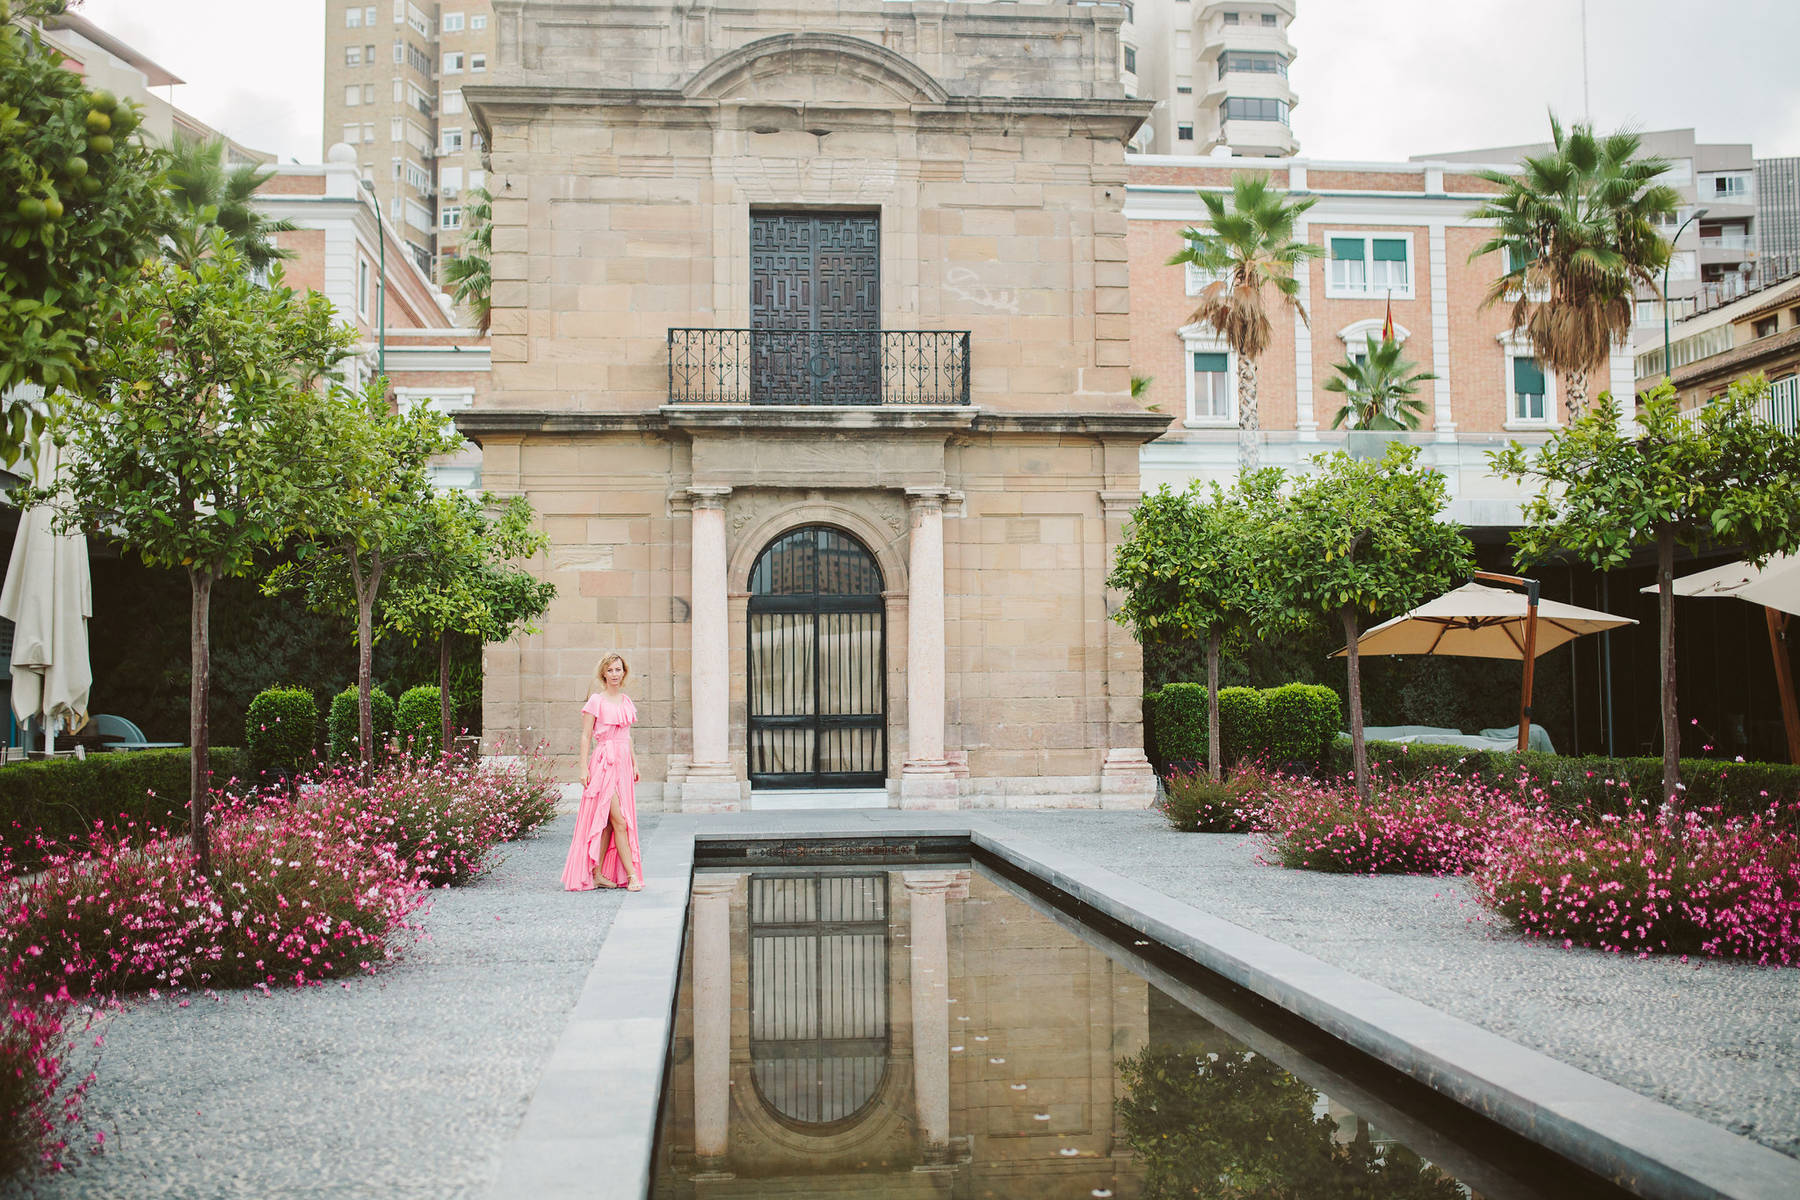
711 784
712 1017
927 779
930 965
1126 777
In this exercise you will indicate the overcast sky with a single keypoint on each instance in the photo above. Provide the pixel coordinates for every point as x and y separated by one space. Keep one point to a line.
1378 79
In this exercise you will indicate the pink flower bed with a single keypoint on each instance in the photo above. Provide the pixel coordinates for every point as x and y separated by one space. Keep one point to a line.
1642 883
1437 825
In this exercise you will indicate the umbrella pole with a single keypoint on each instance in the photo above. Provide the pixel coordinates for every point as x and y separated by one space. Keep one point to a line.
1784 678
1531 615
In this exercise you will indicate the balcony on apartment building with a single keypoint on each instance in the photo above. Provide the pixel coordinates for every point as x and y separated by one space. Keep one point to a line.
914 367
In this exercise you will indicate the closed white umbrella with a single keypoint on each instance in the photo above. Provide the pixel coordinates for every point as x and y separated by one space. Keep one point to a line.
1776 586
49 598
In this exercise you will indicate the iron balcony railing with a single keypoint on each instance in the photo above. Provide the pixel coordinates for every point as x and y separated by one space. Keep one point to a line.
818 366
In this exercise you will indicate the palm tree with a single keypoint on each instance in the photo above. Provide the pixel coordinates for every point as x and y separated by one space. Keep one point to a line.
207 195
1248 248
469 275
1380 389
1576 226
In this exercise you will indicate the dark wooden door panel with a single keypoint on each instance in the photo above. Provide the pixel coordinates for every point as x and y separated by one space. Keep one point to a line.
815 308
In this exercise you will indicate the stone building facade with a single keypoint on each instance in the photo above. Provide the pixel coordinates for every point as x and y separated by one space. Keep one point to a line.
811 345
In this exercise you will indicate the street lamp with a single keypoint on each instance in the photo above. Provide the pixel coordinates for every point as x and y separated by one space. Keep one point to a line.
1668 362
381 285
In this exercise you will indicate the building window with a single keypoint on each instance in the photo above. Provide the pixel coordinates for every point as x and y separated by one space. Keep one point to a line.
396 129
362 286
477 62
1131 59
399 51
477 22
369 132
450 23
369 16
1366 264
353 18
368 90
450 103
450 218
353 56
453 141
1210 399
1184 133
1731 185
1268 18
353 95
1184 90
1768 326
369 55
1231 18
1252 62
1197 278
453 64
352 133
1528 390
1254 108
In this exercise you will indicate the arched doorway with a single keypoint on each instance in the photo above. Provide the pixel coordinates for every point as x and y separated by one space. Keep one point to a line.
817 698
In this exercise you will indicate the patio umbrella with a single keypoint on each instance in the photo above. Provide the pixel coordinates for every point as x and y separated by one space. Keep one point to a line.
1477 621
1776 586
48 596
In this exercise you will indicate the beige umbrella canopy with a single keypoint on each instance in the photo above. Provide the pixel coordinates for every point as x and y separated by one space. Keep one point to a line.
1477 621
48 596
1776 586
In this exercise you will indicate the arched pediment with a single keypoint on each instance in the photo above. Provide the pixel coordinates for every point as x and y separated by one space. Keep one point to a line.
1357 332
816 67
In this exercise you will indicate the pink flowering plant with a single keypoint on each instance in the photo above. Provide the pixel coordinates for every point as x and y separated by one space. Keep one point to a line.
1194 802
1438 824
1651 881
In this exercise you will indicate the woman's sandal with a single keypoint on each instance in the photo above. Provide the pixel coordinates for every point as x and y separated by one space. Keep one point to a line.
636 885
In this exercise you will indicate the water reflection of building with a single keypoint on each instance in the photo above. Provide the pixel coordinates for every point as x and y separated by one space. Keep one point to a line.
914 1032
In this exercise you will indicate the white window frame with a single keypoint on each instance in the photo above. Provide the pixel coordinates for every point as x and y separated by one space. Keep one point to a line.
352 134
353 56
450 216
477 63
353 18
450 22
1204 339
1367 290
362 286
453 62
1519 346
450 103
1356 335
452 139
352 95
477 22
1196 278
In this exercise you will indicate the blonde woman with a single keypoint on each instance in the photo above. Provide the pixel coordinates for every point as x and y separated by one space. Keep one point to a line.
605 850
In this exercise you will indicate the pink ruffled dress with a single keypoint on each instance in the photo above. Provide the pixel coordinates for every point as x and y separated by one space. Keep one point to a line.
609 775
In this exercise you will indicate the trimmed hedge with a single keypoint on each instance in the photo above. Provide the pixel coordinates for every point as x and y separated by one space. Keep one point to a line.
1293 723
62 798
419 720
345 722
1596 783
281 729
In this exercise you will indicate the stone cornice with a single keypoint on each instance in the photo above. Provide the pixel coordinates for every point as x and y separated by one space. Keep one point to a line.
726 419
1141 426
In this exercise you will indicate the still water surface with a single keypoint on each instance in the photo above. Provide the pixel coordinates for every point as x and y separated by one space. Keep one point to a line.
940 1031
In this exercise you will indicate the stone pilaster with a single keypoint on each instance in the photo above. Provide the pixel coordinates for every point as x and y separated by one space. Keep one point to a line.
711 784
927 778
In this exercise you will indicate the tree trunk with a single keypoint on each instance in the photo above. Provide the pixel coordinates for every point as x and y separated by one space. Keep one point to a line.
1359 750
1213 640
365 660
1249 416
199 698
1671 722
1576 399
444 690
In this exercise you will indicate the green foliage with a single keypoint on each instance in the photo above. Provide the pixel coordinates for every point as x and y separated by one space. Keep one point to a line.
1194 802
470 275
79 211
1578 230
1243 724
206 195
1380 389
1180 716
63 798
416 722
342 723
1300 721
281 729
1229 1124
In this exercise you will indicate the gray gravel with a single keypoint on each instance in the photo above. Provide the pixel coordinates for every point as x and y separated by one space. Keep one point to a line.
404 1084
1717 1039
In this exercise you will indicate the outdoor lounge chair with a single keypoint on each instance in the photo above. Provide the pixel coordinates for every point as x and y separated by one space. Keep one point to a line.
122 734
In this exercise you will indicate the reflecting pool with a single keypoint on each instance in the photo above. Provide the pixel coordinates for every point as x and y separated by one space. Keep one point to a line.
944 1030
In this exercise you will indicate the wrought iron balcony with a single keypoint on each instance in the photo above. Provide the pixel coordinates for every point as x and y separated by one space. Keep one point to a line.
818 366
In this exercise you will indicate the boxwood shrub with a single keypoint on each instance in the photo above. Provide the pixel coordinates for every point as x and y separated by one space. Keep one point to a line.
1300 721
63 798
1181 724
1243 723
1284 725
281 729
345 721
419 721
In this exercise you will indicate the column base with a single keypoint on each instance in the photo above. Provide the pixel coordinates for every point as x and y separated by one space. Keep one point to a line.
1127 780
929 785
711 787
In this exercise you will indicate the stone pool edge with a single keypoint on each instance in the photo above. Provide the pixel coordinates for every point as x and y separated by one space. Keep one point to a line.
610 1057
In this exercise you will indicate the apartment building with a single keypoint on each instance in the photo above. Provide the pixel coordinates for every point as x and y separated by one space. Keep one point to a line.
394 73
1778 211
1757 333
1218 70
1716 228
1394 236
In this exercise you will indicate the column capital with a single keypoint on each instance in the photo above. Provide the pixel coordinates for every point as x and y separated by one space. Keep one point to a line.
925 883
708 497
715 884
1119 504
928 499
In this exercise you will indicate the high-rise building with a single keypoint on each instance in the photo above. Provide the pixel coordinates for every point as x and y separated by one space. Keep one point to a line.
1219 71
1778 213
394 73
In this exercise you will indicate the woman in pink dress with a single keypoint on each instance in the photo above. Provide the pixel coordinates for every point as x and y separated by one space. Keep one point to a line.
604 852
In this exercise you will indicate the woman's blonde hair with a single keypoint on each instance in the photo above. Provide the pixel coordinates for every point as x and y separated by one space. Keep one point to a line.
600 671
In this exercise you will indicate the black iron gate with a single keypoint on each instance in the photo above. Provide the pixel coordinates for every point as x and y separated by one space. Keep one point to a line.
818 663
815 308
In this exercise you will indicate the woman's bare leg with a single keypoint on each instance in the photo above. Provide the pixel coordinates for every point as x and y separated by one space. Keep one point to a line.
606 824
622 839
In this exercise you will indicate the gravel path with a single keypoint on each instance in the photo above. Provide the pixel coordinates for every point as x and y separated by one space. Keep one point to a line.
1719 1040
406 1084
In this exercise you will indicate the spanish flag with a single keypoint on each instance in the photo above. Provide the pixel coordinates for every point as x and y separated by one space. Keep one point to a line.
1387 326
